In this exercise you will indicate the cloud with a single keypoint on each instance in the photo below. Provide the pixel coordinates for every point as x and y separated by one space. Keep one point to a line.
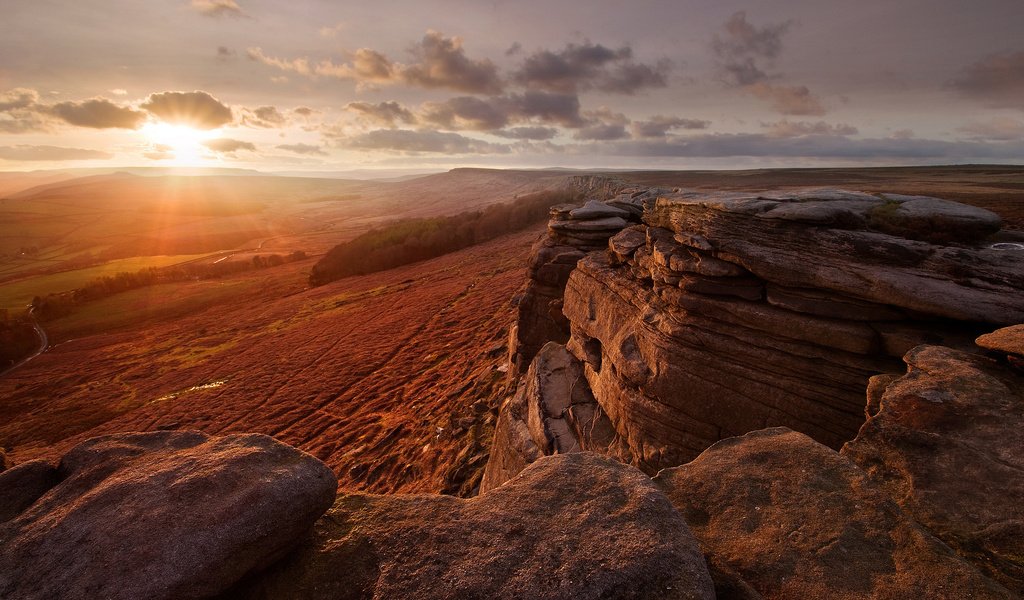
786 128
999 129
744 40
18 98
119 92
741 47
579 67
810 146
467 112
304 111
527 133
50 153
548 108
334 29
307 149
196 109
387 114
438 62
416 142
267 117
98 113
788 100
224 53
19 112
228 145
218 8
659 126
442 63
603 124
997 79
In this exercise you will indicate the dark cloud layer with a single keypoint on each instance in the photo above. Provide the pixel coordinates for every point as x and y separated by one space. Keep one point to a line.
98 113
786 128
535 132
998 80
580 67
659 125
196 109
49 153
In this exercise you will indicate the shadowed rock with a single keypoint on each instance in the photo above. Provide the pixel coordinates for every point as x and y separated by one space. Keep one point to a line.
172 515
780 516
947 443
570 526
22 485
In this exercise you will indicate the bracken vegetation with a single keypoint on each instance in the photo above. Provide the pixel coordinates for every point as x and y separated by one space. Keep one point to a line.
412 240
17 340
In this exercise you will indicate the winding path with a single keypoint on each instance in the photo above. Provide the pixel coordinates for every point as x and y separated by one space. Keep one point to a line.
44 343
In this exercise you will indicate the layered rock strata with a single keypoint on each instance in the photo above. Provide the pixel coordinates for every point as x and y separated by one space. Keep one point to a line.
721 314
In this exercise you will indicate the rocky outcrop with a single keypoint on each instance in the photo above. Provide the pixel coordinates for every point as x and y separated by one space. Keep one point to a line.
158 515
572 232
947 442
570 526
1006 343
552 412
781 516
721 314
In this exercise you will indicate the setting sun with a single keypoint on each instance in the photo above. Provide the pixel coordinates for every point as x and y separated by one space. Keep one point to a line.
181 144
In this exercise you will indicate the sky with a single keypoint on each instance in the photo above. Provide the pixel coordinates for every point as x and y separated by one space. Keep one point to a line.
318 85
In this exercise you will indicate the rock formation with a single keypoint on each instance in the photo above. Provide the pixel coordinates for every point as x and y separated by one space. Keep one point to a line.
171 515
781 516
947 442
570 526
724 313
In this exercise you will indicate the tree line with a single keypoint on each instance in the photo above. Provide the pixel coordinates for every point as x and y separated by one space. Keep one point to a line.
412 240
57 305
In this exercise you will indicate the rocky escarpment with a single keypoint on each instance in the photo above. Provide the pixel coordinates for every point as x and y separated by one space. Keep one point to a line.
721 314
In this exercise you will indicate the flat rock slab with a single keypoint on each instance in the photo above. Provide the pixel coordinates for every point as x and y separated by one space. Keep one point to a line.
574 526
594 209
948 444
602 224
173 515
781 516
1008 340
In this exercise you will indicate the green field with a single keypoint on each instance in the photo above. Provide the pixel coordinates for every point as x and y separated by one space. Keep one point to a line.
16 295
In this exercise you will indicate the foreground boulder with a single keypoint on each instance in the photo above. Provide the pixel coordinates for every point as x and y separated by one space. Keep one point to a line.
947 443
571 526
172 515
782 516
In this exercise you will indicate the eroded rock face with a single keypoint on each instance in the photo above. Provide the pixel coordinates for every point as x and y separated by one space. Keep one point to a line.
552 412
161 515
22 485
570 526
947 442
724 313
781 516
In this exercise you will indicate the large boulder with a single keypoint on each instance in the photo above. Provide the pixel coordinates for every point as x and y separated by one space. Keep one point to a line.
782 516
947 442
172 515
570 526
22 485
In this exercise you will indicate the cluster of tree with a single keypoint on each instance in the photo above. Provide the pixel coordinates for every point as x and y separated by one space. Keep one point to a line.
18 339
52 306
411 240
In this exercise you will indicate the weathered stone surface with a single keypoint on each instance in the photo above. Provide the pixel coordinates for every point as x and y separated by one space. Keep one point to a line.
830 304
552 412
948 444
971 283
625 242
781 516
933 219
570 526
577 227
594 209
162 515
22 485
1008 340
